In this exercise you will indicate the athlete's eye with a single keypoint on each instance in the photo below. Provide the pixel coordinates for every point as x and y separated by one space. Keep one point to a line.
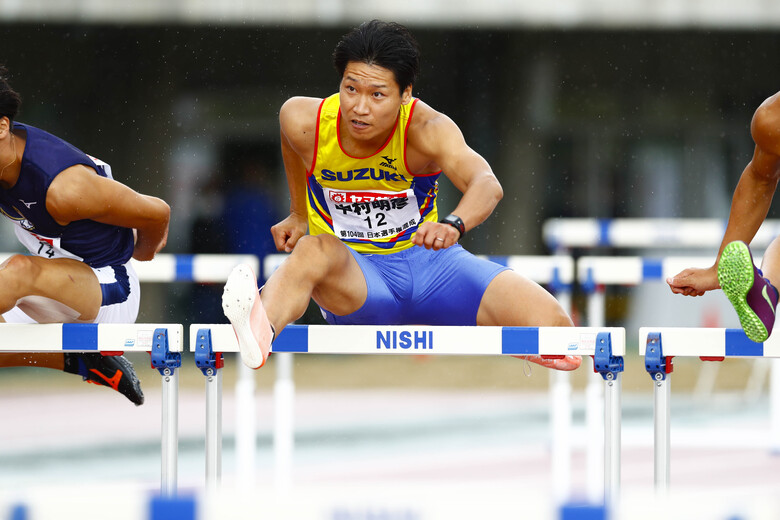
378 95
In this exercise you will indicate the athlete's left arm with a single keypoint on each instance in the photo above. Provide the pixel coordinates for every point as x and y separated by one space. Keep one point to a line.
77 193
440 140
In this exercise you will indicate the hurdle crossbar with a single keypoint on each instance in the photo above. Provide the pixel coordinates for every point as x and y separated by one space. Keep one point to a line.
191 268
557 271
163 341
659 345
566 233
202 268
607 344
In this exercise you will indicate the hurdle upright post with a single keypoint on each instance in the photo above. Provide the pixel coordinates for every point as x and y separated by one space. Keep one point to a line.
210 362
246 427
167 363
594 393
609 366
660 368
284 421
560 286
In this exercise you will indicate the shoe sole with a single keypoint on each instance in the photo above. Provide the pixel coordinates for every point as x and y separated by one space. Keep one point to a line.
129 372
238 298
735 274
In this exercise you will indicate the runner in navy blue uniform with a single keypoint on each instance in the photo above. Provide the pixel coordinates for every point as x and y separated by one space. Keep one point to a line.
81 228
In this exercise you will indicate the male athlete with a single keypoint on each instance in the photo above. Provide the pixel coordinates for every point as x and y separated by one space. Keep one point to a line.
363 167
81 227
748 288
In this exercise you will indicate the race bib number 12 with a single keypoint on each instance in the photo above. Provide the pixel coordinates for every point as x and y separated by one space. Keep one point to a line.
372 215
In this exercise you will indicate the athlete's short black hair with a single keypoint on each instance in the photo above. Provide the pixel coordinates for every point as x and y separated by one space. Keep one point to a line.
10 100
387 44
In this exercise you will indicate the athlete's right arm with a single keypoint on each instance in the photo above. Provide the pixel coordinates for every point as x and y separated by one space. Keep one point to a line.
77 193
751 200
298 127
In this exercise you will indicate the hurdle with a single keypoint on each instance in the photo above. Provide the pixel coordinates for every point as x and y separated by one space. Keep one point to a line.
164 268
200 268
659 345
606 345
163 341
555 272
564 234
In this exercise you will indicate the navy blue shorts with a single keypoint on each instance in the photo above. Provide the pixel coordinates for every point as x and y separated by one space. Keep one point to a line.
419 286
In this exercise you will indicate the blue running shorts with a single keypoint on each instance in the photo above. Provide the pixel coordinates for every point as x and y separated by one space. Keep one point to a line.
419 286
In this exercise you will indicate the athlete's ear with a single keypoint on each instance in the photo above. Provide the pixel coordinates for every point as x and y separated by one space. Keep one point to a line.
406 95
5 126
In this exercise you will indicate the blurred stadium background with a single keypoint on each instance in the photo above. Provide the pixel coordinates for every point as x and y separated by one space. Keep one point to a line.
584 108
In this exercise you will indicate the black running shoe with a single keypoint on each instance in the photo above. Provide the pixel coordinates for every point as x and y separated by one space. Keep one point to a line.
113 371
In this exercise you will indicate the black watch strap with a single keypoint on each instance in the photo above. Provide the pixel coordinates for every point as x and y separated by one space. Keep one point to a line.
456 222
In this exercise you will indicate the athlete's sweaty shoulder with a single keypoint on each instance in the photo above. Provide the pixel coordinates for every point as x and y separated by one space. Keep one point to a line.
431 133
765 127
298 122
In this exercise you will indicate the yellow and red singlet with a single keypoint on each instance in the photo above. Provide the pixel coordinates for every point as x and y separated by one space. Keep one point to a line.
373 204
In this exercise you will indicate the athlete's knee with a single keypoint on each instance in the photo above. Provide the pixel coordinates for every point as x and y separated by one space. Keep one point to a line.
17 273
560 318
318 253
310 248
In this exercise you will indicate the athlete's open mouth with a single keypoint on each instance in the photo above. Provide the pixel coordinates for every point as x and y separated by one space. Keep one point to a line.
360 124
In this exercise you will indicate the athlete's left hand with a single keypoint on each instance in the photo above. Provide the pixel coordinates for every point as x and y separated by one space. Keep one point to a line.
435 235
694 281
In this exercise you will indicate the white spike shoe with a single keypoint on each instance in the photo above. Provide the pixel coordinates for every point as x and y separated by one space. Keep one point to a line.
242 305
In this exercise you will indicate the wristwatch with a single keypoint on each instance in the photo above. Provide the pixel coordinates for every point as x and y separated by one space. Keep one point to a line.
456 222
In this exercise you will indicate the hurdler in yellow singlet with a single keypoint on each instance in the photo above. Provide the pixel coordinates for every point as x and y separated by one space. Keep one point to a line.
373 204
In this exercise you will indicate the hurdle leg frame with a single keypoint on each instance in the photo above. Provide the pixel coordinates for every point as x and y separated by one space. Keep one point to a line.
512 341
284 422
561 408
246 427
168 363
210 364
610 367
594 397
660 368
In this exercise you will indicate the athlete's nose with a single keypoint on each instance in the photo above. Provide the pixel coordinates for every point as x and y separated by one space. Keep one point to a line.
361 107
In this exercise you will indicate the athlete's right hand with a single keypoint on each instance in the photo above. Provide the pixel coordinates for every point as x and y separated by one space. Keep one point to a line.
694 281
287 232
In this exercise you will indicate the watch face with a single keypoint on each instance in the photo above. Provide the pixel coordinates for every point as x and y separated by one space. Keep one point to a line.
454 221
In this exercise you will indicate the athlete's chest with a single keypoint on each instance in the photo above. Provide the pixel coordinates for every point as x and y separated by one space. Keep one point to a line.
384 169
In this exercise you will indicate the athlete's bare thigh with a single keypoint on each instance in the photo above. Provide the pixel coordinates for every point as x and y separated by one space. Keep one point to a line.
69 282
343 289
512 300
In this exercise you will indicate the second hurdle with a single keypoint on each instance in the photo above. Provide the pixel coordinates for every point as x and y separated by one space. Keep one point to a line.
606 345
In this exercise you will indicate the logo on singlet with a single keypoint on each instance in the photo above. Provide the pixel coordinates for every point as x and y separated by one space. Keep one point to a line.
362 174
21 219
28 204
388 162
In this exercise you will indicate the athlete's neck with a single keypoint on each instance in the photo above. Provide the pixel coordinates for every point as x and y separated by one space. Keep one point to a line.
364 144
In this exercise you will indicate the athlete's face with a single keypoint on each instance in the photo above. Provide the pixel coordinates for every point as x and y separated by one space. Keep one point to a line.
370 100
7 145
